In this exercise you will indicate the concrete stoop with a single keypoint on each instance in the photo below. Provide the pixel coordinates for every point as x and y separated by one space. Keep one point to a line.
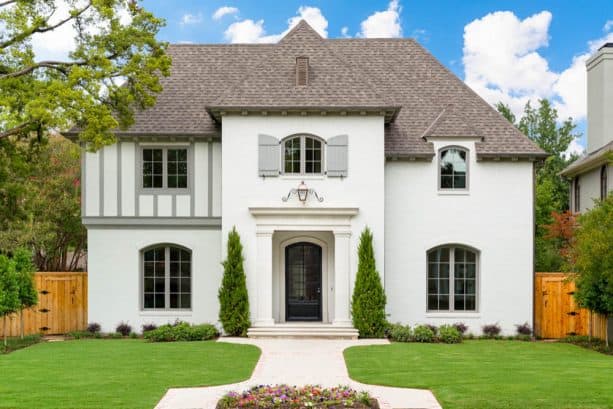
304 331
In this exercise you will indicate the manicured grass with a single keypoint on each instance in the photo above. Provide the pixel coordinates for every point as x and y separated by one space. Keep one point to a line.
116 373
491 374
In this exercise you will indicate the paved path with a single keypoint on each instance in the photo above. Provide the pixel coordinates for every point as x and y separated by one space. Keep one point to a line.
299 362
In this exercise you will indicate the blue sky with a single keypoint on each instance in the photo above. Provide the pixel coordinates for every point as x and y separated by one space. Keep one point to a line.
505 50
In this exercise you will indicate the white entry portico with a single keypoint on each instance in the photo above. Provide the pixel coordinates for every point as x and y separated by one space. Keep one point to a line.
326 227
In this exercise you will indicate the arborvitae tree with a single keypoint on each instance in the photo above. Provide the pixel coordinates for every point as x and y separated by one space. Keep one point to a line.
233 297
9 291
28 296
368 301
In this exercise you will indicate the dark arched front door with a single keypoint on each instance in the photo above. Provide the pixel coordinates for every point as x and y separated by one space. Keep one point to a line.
303 282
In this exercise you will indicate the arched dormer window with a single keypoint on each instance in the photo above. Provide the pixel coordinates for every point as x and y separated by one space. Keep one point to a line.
167 278
603 182
452 278
453 168
302 155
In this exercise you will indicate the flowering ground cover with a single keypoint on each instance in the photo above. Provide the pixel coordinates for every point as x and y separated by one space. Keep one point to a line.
310 396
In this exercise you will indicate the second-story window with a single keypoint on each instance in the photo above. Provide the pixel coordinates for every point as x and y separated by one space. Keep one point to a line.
302 155
453 162
164 168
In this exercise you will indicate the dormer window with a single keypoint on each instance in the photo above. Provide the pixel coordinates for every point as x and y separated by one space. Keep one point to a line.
453 168
302 71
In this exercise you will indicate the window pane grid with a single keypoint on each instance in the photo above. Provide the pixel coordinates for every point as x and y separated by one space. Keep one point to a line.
447 266
453 168
302 155
292 156
177 168
153 163
166 278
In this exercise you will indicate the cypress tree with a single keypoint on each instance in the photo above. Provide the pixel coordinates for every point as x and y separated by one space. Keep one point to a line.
368 301
233 297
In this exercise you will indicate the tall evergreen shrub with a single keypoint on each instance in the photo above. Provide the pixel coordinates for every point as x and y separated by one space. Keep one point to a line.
9 291
233 297
368 301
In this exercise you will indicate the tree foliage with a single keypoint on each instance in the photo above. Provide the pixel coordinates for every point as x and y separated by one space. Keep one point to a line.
233 297
368 300
592 258
552 190
9 290
40 202
113 69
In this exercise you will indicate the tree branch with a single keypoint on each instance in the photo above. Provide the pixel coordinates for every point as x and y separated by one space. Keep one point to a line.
56 65
42 28
15 130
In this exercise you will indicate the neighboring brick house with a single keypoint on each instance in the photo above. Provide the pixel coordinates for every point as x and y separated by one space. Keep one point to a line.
376 131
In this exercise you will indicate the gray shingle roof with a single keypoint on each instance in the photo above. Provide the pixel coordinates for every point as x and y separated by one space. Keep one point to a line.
361 73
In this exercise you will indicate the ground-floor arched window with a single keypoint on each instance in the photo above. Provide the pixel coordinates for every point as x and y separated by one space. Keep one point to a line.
452 279
167 277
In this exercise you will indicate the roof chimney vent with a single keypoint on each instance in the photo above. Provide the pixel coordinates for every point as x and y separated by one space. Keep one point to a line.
302 71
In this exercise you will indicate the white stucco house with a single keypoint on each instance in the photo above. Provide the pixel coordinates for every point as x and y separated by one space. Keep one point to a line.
378 132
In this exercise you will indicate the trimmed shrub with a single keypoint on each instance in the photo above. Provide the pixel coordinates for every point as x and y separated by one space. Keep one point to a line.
423 333
115 335
181 332
461 327
400 333
80 334
368 300
491 330
523 329
233 297
148 327
123 328
449 334
133 335
433 328
93 327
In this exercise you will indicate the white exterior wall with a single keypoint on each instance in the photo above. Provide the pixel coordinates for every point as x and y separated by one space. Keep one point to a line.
495 217
111 181
589 183
115 275
243 188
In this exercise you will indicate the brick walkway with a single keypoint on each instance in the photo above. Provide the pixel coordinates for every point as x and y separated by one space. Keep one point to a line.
300 362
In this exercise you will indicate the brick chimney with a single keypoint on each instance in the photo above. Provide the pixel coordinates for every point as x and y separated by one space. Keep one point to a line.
600 98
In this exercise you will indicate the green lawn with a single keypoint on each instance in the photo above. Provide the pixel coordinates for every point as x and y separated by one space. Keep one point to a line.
116 373
491 374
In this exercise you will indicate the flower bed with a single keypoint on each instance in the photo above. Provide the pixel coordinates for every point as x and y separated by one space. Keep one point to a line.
310 396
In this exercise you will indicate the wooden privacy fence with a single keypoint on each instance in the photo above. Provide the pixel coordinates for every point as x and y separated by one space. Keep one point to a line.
61 308
556 314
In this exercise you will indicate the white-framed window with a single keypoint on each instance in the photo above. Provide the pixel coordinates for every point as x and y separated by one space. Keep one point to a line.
167 278
164 167
453 168
452 279
302 155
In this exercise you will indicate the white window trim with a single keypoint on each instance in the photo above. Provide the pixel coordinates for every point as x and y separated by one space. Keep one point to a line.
303 174
451 312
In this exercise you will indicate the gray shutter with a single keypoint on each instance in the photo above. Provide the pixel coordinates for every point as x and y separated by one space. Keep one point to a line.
268 155
336 155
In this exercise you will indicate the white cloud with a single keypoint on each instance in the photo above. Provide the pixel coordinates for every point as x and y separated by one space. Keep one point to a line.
608 26
56 44
345 32
383 24
250 31
502 63
575 147
188 19
223 11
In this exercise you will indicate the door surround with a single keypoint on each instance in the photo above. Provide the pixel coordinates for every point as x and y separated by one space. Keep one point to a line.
327 272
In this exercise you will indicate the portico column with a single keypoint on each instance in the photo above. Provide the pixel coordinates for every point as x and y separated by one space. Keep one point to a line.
342 252
264 278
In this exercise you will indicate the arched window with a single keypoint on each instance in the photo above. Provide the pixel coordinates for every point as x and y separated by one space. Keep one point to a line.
603 182
302 155
453 168
167 278
452 279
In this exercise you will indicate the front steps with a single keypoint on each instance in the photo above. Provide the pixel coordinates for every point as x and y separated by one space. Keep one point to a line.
303 330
